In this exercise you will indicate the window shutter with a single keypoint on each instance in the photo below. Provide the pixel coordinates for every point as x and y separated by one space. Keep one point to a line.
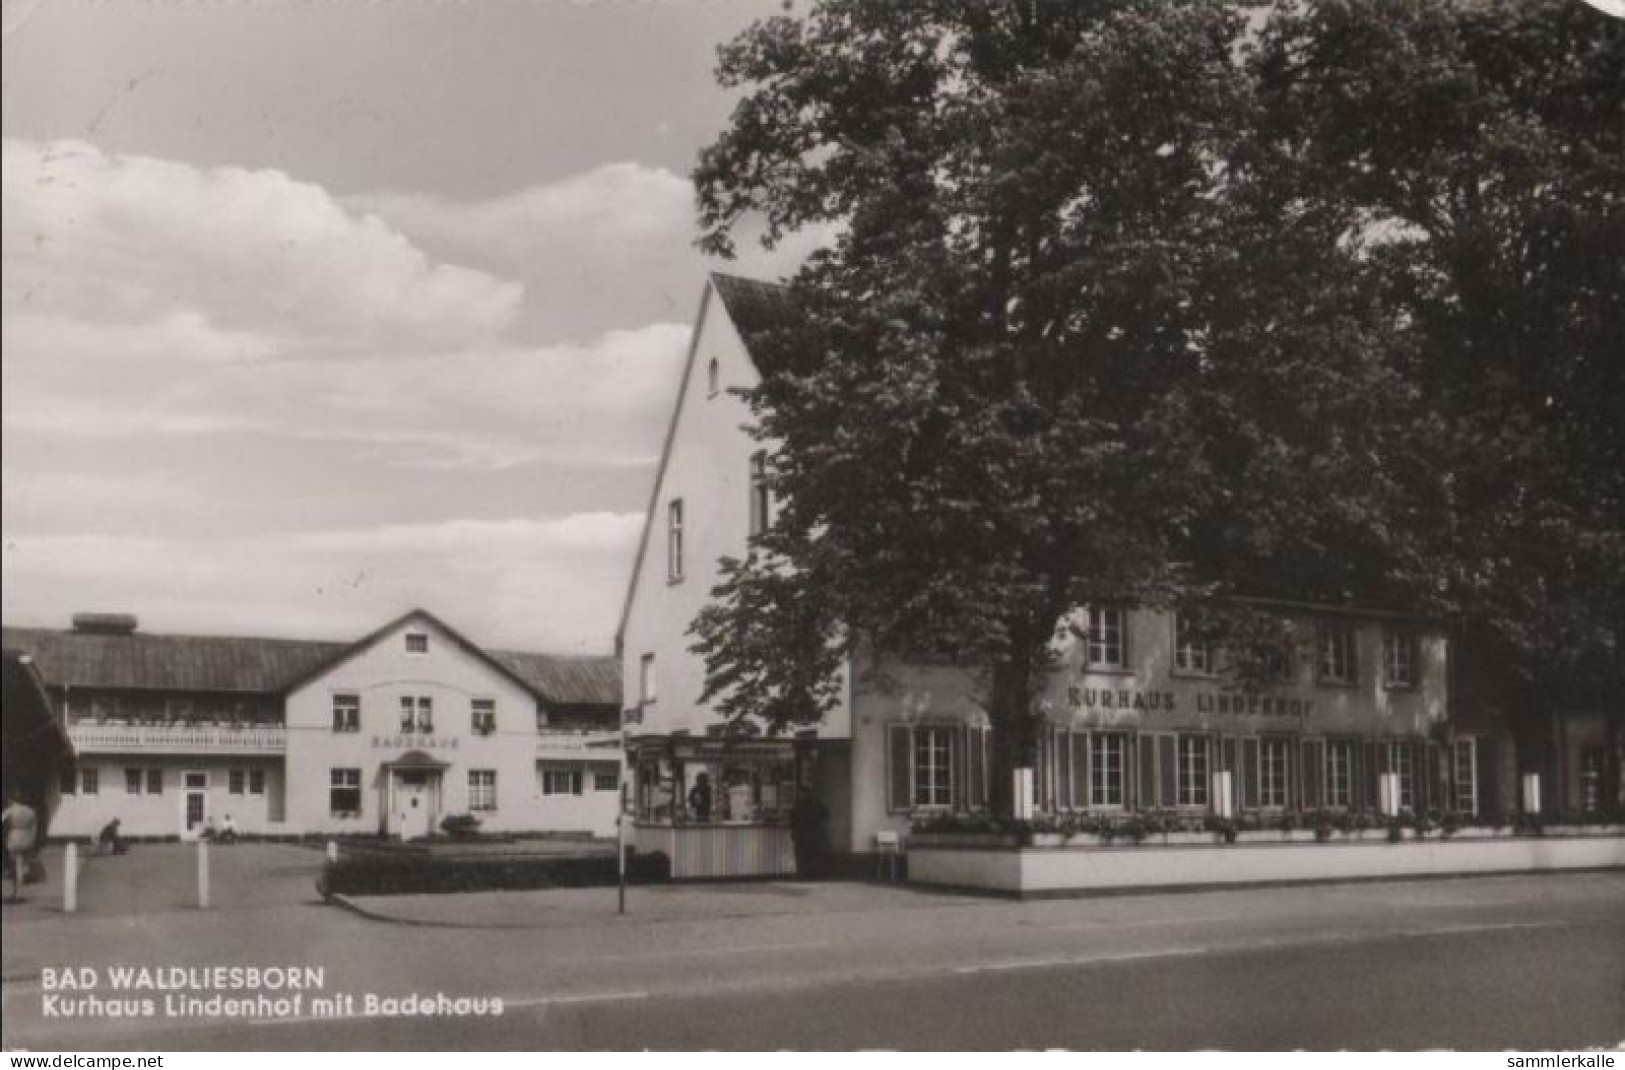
1080 770
1148 772
978 767
1249 773
1313 749
959 762
1062 750
899 769
1433 790
1290 773
1167 772
1489 788
1357 799
1374 767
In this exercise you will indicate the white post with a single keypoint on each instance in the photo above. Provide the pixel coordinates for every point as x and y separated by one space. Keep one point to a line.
332 851
203 874
1531 793
1223 799
1022 789
70 878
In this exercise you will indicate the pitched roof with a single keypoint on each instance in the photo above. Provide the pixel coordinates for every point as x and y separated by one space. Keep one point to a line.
567 681
230 664
756 307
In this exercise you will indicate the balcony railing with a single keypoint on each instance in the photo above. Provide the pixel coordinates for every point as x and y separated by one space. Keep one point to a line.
604 743
182 739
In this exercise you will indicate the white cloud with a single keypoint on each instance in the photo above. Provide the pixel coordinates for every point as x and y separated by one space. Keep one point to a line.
132 240
550 584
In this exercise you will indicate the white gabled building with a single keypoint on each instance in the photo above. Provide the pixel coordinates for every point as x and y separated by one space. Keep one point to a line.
386 735
1139 714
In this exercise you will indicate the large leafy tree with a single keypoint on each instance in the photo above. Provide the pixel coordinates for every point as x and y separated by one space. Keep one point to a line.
1480 149
1088 334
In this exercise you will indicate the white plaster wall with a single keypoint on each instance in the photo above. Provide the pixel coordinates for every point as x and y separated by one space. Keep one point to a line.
381 674
708 467
163 814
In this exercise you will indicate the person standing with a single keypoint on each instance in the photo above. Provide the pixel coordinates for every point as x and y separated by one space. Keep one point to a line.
21 824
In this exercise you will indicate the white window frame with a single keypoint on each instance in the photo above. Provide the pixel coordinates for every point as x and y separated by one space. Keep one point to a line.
1272 772
343 778
1337 662
482 716
417 643
674 541
482 791
256 781
1399 659
236 781
1105 638
931 767
1397 759
1339 775
713 377
1465 801
1108 773
572 781
134 779
1591 778
346 711
90 781
613 777
1191 782
1193 654
647 683
417 715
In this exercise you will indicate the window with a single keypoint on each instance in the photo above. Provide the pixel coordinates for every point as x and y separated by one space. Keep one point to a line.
89 781
132 782
1336 655
713 377
482 789
67 780
933 771
346 713
344 794
1104 639
1272 773
646 679
1399 659
256 782
1192 778
155 781
674 540
1592 762
1106 751
1466 775
606 780
760 502
1339 773
1193 644
417 714
483 716
417 643
235 781
561 782
1399 761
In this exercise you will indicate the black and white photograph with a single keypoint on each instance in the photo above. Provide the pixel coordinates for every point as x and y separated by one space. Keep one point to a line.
814 525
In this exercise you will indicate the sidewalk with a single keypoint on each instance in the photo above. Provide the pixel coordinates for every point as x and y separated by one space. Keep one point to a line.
548 908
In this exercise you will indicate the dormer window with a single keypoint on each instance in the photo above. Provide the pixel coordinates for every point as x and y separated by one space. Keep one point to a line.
417 643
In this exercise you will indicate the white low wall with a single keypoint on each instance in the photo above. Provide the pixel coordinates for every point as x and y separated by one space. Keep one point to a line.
1030 870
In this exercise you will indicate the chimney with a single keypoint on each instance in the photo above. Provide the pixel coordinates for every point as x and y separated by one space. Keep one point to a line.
104 623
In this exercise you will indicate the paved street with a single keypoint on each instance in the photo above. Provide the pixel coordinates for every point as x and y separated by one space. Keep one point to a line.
1482 963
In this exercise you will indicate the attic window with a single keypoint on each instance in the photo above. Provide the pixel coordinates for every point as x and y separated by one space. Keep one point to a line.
417 643
713 377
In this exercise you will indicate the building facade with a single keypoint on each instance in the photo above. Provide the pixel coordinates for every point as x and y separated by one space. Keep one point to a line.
387 735
1140 713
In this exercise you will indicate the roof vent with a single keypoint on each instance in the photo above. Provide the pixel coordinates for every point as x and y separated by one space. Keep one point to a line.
104 623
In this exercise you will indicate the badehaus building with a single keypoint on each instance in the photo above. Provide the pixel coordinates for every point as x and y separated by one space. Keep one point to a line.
1139 713
388 735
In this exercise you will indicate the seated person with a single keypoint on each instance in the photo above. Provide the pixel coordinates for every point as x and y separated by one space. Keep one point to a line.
228 831
108 842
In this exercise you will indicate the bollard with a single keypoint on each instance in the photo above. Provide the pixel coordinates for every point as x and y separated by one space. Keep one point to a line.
332 851
70 878
203 874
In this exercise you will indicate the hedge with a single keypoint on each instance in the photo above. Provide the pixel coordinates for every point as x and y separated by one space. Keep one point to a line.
394 875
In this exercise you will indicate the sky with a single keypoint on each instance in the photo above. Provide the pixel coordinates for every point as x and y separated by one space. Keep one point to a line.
314 313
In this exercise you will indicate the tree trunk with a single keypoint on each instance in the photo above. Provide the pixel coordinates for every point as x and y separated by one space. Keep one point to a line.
1015 729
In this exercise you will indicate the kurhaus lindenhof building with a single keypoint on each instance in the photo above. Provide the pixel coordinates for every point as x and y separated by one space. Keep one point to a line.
388 734
1140 714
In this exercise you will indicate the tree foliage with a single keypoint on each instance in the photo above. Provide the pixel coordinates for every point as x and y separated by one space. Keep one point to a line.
1148 302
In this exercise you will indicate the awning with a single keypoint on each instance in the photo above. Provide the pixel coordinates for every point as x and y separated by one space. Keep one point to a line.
414 761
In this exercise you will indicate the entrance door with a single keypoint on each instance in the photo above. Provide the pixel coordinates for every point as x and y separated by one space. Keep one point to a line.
412 805
194 805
